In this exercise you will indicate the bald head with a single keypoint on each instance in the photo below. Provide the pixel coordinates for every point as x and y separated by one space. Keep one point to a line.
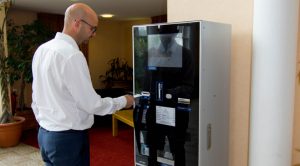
79 11
80 22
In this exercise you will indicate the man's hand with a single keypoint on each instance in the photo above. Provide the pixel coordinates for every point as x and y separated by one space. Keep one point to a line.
130 101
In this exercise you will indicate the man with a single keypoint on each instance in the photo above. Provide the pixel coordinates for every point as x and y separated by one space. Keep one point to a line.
64 101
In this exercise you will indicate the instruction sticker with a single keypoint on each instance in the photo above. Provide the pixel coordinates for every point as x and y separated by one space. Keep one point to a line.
165 116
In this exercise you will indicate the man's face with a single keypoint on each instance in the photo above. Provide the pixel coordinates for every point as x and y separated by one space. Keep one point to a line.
89 27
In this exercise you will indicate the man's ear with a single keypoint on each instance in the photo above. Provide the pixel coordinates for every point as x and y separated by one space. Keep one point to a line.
76 25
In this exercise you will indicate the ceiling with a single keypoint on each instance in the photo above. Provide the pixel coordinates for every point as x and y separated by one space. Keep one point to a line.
122 9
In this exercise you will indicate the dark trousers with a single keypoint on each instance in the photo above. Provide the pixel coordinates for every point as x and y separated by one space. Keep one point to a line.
64 148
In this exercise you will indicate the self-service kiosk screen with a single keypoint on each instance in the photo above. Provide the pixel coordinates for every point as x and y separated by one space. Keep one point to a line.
165 50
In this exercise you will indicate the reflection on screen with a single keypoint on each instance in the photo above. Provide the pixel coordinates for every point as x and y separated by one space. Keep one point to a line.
164 50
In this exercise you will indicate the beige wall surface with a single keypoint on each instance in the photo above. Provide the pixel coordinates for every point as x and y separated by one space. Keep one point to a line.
104 46
296 137
113 39
238 13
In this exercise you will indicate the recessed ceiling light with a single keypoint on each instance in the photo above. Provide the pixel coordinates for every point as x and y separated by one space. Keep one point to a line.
107 15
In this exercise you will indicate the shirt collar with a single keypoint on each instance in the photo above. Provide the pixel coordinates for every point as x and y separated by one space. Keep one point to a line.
66 38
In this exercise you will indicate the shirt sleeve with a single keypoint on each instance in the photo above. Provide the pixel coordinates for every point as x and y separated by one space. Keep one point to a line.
78 82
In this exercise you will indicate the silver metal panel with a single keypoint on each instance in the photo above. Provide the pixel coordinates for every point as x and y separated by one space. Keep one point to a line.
215 45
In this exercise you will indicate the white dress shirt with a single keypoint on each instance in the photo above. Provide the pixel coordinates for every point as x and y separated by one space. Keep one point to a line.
63 97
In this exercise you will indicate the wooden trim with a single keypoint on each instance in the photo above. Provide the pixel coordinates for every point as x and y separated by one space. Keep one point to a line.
159 19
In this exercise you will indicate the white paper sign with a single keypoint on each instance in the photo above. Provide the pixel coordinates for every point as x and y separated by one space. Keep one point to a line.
165 115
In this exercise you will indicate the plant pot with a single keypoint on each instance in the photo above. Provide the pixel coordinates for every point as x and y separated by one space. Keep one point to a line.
10 133
30 122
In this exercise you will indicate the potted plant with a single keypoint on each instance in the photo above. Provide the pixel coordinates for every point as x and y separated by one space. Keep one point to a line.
22 42
10 126
119 74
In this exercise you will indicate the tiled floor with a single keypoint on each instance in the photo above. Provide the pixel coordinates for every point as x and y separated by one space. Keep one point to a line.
21 155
